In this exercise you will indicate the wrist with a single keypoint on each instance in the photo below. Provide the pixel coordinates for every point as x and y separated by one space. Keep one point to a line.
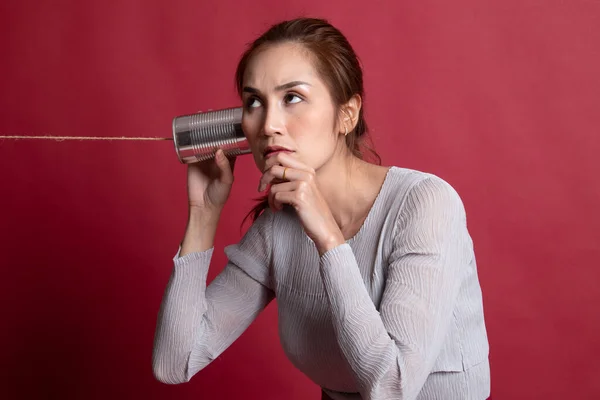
202 221
200 230
204 213
330 243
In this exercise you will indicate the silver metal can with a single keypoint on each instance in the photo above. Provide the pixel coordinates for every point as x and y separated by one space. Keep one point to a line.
198 136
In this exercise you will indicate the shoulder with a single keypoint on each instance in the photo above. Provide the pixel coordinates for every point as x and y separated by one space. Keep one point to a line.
259 233
253 252
270 225
423 191
417 183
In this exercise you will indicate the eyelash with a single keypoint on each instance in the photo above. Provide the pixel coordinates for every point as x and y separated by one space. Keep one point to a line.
287 95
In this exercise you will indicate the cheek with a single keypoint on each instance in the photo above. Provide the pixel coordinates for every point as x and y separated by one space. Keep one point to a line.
315 127
250 128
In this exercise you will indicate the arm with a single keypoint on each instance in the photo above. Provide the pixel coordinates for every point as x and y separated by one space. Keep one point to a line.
392 352
197 323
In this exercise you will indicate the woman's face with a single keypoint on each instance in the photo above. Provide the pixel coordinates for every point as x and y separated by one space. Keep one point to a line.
287 105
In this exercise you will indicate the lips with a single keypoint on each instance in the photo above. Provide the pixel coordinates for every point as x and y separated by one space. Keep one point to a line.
275 149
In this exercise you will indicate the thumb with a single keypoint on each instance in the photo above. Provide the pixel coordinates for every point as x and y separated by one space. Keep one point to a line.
232 162
225 167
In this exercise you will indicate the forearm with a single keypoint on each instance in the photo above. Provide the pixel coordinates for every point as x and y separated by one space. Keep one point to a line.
361 334
200 230
390 350
181 311
184 302
198 322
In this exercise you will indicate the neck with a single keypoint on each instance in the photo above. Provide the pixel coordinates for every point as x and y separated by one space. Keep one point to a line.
342 182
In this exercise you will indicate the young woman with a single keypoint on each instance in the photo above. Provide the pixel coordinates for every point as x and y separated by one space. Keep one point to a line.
372 267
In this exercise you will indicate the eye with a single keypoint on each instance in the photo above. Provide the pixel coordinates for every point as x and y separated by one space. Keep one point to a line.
252 102
292 98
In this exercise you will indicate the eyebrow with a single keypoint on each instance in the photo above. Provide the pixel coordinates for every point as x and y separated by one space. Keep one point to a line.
285 86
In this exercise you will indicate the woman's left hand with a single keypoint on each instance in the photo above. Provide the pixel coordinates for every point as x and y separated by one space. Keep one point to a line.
299 189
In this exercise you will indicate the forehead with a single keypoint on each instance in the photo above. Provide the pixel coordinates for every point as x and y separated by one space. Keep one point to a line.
279 64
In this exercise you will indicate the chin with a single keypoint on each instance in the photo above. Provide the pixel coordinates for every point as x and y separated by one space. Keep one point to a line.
260 163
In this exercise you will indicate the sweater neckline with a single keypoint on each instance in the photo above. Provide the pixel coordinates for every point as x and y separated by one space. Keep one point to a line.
374 207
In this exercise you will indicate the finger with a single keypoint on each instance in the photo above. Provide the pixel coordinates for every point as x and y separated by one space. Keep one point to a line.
225 167
286 160
279 188
276 190
266 178
271 200
275 175
279 199
283 187
275 166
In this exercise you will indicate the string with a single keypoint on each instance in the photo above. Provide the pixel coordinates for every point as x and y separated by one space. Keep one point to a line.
62 138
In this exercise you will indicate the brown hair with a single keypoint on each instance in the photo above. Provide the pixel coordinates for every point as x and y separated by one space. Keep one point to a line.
335 61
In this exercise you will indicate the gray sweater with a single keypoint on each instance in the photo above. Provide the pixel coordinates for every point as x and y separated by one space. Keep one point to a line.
394 313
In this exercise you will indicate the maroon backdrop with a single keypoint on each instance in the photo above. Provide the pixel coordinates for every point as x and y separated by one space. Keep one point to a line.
499 98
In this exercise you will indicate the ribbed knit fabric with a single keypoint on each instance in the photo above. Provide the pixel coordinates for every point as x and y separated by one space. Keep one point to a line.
394 313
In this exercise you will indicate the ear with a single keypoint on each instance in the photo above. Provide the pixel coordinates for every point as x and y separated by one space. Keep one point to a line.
349 114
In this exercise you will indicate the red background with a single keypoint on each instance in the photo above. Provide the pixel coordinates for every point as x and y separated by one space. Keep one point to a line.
500 98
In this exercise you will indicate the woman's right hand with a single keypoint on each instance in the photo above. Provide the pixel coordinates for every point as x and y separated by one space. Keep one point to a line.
210 181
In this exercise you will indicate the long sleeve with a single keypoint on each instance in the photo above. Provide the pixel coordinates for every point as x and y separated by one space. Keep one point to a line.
392 351
197 323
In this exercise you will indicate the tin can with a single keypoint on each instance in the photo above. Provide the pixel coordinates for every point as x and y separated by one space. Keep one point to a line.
198 136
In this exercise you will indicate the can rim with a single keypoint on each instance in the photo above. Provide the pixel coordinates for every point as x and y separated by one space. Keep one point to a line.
175 140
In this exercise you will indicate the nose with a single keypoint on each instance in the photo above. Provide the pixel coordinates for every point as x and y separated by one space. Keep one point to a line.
274 121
